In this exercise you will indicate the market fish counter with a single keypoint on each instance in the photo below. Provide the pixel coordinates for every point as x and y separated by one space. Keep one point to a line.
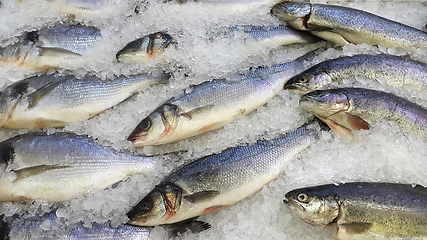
384 153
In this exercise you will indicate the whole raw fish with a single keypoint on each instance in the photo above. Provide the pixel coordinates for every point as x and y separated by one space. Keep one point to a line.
364 210
47 227
54 101
343 25
62 166
346 109
394 71
218 181
50 46
85 6
232 6
212 104
146 48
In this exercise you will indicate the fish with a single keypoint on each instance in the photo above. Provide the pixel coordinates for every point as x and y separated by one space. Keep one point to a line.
62 166
144 49
48 227
342 25
231 6
55 101
212 104
84 6
394 71
51 46
364 210
218 181
347 109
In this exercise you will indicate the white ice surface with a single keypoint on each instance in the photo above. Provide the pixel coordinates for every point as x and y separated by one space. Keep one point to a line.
382 154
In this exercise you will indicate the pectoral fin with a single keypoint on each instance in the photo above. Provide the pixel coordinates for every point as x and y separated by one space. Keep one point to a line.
356 122
31 171
354 228
196 111
214 208
56 52
336 128
36 96
201 196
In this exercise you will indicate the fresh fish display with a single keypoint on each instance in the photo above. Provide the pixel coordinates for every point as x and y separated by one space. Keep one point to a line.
343 25
62 166
220 180
232 6
146 48
346 109
393 70
50 46
211 105
39 228
364 210
54 101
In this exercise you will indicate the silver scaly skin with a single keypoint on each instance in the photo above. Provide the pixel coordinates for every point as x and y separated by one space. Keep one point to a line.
54 101
346 109
343 25
362 210
393 70
213 104
218 181
49 46
62 166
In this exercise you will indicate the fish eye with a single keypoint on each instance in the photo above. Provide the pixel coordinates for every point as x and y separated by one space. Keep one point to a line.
146 206
302 197
145 125
304 79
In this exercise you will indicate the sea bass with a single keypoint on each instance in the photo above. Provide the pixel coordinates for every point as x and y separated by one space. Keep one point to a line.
54 101
212 104
394 71
50 47
47 227
146 48
346 109
343 25
364 210
62 166
218 181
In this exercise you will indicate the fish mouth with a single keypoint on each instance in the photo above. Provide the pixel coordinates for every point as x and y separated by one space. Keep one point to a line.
293 204
138 222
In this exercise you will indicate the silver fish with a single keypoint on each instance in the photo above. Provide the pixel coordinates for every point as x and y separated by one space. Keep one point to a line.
54 101
47 227
43 49
62 166
84 6
213 104
394 71
146 48
346 109
218 181
362 210
232 6
343 25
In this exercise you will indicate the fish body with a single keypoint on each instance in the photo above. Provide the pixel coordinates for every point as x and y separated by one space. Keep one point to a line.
50 46
84 6
394 71
220 180
54 101
61 166
358 108
364 210
343 25
145 49
212 104
233 6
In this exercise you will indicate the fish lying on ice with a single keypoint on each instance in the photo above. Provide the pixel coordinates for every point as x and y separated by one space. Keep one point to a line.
232 6
218 181
85 6
362 210
343 25
47 227
213 104
146 48
393 70
62 166
346 109
50 47
54 101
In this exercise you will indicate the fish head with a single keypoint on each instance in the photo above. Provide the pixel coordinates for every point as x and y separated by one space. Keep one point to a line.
294 14
158 207
145 48
312 208
308 81
156 128
325 103
9 99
